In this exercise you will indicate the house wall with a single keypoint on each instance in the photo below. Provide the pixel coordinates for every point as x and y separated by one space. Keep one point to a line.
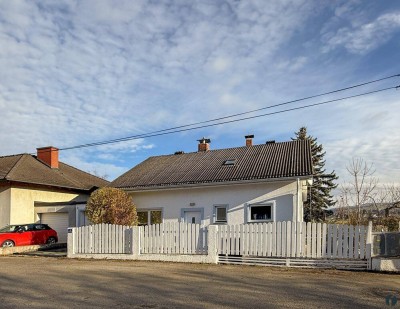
23 204
5 199
285 195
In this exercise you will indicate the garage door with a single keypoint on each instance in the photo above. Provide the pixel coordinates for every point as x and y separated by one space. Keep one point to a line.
57 221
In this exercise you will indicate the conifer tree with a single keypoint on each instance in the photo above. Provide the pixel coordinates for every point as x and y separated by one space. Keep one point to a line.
319 196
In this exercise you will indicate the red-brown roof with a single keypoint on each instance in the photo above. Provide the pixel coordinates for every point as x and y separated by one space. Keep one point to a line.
272 160
26 168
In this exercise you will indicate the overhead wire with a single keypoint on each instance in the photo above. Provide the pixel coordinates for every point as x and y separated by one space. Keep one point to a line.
237 114
195 126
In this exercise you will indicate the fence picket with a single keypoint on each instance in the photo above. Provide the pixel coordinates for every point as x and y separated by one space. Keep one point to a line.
237 239
345 252
351 242
293 239
303 239
340 241
264 239
308 244
279 239
362 242
298 239
324 238
319 249
334 241
273 238
313 239
288 238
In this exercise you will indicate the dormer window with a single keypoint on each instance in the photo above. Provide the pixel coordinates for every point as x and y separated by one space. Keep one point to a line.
229 162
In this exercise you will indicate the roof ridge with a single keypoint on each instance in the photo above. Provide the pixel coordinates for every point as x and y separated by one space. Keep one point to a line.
14 155
220 149
16 163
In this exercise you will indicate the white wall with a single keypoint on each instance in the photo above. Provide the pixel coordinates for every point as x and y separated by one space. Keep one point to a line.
284 194
5 201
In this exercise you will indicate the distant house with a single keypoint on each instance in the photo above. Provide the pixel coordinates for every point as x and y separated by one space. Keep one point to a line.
249 184
42 189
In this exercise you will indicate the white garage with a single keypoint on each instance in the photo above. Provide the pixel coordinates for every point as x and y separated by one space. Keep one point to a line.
57 221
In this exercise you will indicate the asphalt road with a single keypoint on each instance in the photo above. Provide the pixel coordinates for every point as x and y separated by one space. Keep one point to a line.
48 282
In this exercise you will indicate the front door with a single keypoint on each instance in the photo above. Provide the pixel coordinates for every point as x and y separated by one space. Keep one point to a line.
192 216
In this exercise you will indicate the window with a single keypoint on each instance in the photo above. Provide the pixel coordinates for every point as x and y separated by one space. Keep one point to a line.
220 213
261 212
147 217
229 162
40 227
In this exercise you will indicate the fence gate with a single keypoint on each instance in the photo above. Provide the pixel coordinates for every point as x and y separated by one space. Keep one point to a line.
294 244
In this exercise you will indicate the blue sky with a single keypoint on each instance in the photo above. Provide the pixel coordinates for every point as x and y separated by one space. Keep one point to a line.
75 72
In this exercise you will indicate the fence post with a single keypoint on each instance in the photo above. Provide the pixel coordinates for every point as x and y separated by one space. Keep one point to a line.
212 244
368 247
135 242
71 242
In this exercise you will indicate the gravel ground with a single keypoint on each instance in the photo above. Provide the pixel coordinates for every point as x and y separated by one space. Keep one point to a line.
45 282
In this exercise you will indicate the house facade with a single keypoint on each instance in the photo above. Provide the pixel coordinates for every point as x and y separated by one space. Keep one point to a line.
249 184
42 189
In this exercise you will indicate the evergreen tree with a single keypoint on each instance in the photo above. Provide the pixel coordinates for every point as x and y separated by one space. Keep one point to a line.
319 196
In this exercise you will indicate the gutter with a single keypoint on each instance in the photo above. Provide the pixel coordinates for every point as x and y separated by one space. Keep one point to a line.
214 184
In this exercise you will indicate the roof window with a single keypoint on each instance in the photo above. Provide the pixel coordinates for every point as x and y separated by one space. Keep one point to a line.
229 162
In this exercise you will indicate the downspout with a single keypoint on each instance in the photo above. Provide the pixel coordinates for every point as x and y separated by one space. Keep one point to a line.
298 196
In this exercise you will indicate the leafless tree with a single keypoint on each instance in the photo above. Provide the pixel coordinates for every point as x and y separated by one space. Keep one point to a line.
361 186
97 174
389 198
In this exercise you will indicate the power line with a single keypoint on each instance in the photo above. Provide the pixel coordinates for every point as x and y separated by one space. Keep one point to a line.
231 116
180 128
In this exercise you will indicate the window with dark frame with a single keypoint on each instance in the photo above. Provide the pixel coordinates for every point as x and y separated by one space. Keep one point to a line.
260 212
220 214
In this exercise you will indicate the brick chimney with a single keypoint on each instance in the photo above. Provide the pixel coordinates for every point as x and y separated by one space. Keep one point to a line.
48 155
249 140
204 144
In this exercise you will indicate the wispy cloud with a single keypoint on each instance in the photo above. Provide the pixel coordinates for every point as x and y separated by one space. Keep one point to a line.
360 39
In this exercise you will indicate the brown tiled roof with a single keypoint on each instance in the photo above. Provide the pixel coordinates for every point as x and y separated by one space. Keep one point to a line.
273 160
26 168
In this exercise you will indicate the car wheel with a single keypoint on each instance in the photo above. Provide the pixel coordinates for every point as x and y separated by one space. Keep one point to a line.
51 241
8 243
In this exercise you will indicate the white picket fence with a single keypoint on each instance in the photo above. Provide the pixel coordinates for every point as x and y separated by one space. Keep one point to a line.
173 238
294 244
294 240
103 239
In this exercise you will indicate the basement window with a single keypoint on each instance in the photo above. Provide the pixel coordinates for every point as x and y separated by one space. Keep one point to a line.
229 162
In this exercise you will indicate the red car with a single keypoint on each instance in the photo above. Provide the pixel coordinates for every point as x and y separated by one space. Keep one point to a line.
27 234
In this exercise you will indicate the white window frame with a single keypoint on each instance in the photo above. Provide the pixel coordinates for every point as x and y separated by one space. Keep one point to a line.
149 215
263 204
226 206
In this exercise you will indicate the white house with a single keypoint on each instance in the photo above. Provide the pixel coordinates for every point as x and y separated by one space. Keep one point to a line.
249 184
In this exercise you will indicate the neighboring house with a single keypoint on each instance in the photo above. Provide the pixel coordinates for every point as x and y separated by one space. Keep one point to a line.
42 189
250 184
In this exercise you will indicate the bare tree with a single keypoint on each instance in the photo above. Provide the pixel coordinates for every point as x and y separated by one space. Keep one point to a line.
362 185
97 174
389 198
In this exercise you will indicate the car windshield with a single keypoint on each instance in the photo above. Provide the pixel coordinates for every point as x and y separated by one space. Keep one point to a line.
10 228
